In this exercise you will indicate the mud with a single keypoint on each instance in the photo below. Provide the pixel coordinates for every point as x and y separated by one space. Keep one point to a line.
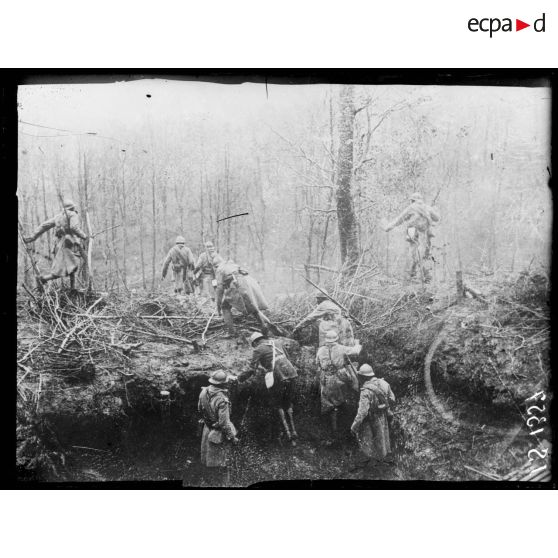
112 423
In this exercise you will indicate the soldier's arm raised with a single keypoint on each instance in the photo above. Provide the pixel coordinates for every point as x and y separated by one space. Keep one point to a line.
398 220
434 214
41 229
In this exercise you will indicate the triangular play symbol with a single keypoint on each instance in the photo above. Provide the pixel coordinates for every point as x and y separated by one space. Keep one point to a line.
519 25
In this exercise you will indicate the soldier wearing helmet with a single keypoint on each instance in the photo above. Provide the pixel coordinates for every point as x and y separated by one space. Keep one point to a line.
418 218
337 381
327 315
371 424
218 431
68 251
237 289
272 356
204 271
182 261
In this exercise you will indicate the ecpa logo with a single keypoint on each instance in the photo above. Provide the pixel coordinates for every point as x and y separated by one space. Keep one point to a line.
492 25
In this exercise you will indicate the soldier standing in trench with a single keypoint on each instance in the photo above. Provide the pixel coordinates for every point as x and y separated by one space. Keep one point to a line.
271 355
371 424
337 381
418 218
219 433
182 261
67 229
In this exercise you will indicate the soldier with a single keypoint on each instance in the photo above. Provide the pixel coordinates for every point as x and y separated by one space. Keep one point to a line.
69 249
418 218
280 378
218 430
237 289
182 263
328 316
204 272
371 422
337 379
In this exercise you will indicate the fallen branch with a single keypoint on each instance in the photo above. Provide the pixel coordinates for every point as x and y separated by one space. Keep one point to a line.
474 293
488 475
93 449
207 325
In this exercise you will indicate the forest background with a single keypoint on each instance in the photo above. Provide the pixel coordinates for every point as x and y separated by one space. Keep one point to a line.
318 168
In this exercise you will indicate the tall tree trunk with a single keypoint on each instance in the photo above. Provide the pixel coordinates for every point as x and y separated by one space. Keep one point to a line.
346 218
154 214
124 226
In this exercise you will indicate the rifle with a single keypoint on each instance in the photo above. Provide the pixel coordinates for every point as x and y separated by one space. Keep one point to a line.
351 366
356 320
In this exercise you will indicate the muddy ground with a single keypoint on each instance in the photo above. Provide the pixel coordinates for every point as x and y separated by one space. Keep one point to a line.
90 406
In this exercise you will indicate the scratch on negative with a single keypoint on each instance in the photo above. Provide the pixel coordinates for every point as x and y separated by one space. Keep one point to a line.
232 217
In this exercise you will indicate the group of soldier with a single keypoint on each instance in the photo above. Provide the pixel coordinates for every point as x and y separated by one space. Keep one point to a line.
231 287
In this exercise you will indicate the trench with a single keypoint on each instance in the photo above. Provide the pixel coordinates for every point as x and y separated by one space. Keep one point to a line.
158 441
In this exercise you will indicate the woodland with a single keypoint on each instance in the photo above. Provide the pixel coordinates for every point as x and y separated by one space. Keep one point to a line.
294 183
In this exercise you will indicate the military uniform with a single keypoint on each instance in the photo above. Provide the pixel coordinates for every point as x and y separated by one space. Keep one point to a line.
337 382
271 355
204 267
236 289
67 229
418 218
371 422
182 261
284 373
218 430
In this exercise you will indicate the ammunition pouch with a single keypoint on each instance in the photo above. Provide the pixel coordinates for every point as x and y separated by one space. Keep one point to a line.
215 436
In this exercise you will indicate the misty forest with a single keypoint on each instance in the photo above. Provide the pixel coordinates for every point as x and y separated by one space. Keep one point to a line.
301 186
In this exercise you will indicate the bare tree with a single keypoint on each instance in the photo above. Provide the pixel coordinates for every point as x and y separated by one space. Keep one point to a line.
346 218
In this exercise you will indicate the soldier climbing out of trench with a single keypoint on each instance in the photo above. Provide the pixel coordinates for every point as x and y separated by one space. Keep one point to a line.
68 251
418 218
328 316
280 378
219 433
371 424
237 289
182 261
338 383
204 272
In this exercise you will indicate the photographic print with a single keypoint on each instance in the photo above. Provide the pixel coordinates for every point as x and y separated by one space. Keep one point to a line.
225 283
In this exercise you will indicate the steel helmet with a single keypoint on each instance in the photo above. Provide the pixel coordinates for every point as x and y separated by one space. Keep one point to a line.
209 244
68 204
417 196
255 336
219 377
331 336
320 295
180 240
365 370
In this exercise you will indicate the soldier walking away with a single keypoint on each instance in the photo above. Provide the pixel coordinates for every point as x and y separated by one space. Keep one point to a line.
182 261
219 433
371 424
418 218
280 378
327 315
237 289
338 383
204 272
68 251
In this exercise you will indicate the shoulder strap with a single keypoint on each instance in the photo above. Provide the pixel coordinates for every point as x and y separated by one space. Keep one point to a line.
273 357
